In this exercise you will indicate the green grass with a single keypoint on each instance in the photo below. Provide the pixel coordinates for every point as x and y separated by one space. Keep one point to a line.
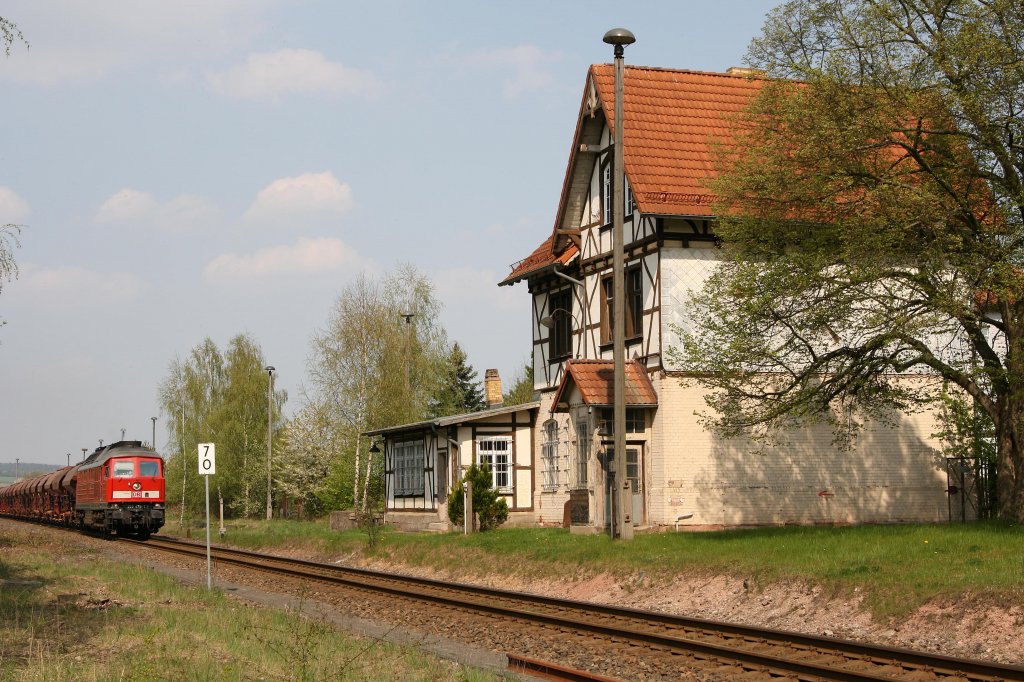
89 619
895 568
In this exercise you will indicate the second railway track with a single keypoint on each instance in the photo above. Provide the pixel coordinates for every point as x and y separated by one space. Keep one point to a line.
719 649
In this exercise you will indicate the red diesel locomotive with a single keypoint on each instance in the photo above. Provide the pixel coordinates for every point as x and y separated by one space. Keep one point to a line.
118 489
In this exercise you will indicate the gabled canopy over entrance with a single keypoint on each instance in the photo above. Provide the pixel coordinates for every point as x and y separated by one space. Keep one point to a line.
595 381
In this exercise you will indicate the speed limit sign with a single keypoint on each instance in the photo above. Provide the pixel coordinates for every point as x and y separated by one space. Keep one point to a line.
207 459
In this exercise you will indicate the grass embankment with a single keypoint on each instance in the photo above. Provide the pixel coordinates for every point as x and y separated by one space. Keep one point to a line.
895 568
84 618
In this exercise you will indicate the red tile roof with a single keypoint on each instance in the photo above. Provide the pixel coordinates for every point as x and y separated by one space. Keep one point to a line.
672 120
542 257
596 382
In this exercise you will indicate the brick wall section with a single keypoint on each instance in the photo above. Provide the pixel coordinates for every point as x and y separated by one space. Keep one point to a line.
549 505
892 475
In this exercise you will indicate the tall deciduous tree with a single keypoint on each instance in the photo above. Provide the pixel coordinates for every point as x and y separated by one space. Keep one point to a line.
376 363
8 266
873 222
310 452
220 397
9 34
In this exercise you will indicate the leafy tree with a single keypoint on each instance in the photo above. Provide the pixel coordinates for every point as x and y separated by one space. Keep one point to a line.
220 397
9 34
522 390
873 216
489 508
966 431
8 242
377 363
309 451
459 391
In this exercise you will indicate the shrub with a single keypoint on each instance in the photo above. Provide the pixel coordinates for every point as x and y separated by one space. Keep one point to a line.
489 508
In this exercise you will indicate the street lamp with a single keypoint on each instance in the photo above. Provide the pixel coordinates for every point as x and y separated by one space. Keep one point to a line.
549 321
122 433
153 443
17 468
69 459
619 38
270 436
84 450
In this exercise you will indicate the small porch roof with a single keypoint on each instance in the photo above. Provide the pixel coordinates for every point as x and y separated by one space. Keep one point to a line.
453 419
595 380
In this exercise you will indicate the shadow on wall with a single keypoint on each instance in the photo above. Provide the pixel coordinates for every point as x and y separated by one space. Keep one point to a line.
890 475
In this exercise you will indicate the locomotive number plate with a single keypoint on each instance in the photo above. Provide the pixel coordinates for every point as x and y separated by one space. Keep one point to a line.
134 494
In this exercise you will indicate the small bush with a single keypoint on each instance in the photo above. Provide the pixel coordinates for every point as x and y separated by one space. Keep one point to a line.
489 508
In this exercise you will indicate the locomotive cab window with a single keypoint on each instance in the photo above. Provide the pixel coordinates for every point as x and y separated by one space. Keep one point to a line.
149 468
122 469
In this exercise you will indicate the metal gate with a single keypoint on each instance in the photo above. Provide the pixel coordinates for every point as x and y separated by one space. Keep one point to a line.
971 488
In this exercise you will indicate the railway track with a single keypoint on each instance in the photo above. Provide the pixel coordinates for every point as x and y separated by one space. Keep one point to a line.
721 650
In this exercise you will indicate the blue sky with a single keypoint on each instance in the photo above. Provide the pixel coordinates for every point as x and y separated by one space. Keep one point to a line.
211 167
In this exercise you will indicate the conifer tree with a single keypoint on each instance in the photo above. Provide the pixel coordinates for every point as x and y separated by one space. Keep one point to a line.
459 392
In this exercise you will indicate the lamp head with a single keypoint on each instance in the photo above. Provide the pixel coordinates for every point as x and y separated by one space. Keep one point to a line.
619 36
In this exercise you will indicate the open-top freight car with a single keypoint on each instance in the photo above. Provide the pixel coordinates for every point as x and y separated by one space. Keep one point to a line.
118 489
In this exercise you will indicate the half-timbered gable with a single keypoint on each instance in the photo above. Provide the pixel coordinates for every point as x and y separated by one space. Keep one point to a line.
679 472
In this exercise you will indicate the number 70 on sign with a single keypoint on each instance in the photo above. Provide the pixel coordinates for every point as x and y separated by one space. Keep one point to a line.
207 459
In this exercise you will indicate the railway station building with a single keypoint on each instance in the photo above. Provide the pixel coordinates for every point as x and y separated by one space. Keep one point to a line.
681 474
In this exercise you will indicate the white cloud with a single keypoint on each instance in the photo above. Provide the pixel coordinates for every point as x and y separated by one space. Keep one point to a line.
77 286
13 209
304 197
186 211
291 72
529 65
306 256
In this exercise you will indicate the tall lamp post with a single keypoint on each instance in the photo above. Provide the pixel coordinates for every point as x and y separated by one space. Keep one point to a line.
84 450
619 38
69 459
17 467
270 436
153 442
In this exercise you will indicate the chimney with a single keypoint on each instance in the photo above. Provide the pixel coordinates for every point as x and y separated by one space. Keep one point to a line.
492 388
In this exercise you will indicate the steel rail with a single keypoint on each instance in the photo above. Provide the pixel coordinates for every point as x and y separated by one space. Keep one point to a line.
893 659
552 671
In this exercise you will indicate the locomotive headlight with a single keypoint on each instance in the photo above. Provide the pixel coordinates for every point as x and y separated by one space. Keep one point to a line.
136 485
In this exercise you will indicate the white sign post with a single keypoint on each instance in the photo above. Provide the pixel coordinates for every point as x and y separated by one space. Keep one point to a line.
207 468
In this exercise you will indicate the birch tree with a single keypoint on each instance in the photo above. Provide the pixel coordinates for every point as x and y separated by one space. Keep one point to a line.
376 363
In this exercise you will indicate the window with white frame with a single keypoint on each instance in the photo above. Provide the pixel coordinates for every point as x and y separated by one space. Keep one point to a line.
582 462
549 455
408 459
495 452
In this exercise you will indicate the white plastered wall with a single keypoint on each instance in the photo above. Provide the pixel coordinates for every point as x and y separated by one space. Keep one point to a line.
892 475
